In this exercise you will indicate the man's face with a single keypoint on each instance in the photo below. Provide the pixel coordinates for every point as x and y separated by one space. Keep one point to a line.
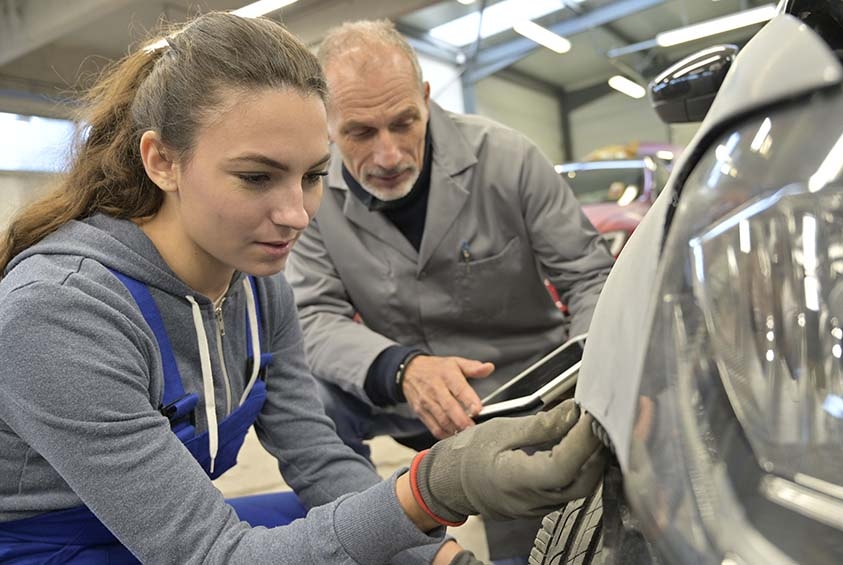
377 116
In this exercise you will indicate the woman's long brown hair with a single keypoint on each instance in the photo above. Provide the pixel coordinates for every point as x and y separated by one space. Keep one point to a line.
173 90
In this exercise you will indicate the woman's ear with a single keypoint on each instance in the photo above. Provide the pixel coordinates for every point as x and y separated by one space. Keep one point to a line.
158 162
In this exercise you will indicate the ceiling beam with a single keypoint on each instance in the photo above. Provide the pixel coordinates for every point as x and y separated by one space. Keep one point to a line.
33 104
423 43
493 59
310 21
531 82
28 25
575 98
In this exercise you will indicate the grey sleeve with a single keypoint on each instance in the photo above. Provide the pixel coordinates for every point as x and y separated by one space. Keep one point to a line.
294 429
75 388
571 253
339 349
293 426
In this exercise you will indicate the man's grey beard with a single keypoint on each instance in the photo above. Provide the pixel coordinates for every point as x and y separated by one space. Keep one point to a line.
393 193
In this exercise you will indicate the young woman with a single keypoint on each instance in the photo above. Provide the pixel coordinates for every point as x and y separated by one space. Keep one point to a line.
142 332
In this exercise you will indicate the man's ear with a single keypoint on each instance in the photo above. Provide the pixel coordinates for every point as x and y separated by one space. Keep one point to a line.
158 162
426 92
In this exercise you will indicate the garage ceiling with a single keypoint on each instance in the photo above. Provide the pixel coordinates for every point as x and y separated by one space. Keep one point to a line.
50 48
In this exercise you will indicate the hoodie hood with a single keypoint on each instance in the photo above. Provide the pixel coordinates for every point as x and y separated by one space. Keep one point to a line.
117 244
120 245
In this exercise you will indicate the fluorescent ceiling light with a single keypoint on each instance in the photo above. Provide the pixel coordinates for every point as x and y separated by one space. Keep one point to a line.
496 18
261 8
466 2
543 36
717 25
626 86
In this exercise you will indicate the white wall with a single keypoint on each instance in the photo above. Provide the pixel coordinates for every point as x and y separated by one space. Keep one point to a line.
615 119
17 189
681 134
445 84
535 114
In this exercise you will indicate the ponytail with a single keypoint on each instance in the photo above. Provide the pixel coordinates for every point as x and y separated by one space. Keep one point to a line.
173 90
106 162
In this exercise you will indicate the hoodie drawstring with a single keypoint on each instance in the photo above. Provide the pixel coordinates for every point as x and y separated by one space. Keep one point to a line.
207 380
251 310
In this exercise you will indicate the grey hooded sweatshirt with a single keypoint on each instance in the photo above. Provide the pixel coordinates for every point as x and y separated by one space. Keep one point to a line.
80 387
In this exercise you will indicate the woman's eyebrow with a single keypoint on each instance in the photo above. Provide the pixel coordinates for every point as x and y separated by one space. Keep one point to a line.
324 160
258 158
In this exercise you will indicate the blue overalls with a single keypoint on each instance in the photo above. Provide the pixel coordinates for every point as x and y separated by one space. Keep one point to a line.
76 536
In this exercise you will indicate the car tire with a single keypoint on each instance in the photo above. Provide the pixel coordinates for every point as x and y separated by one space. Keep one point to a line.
573 534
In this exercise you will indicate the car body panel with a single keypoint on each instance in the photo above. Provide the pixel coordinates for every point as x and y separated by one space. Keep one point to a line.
607 382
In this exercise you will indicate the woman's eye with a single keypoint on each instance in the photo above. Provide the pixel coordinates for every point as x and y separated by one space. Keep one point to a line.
315 178
254 179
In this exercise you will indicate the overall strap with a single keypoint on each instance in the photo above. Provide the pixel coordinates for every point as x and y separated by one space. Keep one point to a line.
173 388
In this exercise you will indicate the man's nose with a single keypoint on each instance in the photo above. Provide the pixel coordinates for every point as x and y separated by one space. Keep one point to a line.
387 154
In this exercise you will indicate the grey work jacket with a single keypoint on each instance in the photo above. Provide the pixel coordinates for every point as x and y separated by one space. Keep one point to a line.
499 219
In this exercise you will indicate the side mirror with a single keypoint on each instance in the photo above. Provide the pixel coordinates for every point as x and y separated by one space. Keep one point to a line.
684 92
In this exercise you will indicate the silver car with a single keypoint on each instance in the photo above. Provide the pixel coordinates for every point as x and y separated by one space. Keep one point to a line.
720 387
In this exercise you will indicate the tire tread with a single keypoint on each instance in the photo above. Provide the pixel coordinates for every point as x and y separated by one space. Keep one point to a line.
572 535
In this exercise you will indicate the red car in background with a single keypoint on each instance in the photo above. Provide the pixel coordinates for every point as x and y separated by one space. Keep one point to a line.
615 194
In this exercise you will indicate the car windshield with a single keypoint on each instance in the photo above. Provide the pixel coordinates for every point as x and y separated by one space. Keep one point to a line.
596 183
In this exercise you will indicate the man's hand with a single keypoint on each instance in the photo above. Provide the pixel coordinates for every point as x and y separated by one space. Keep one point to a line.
437 389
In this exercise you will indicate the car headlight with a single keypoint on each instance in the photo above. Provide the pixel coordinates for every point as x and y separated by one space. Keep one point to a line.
615 240
737 448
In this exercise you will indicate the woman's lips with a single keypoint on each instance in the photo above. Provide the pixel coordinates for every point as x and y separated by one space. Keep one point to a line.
276 248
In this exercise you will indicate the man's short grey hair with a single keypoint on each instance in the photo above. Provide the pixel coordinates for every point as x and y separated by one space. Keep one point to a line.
366 34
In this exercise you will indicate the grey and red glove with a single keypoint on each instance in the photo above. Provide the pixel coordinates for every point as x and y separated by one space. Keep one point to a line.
465 557
510 467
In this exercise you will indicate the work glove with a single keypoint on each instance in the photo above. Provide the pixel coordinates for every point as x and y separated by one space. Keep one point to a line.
465 557
510 467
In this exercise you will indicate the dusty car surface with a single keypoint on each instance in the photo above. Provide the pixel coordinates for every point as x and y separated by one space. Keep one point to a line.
722 400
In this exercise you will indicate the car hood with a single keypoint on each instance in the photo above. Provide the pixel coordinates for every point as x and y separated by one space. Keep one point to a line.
783 60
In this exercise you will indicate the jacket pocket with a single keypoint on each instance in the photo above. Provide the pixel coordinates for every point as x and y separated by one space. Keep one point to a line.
487 288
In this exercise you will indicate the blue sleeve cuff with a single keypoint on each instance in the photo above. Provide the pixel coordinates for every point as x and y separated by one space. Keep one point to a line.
380 383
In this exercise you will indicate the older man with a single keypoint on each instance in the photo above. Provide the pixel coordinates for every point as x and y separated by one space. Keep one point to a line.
420 281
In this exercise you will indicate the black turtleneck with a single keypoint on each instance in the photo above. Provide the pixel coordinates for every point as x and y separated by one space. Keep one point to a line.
408 214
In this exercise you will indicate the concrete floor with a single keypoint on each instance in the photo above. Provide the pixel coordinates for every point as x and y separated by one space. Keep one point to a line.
257 472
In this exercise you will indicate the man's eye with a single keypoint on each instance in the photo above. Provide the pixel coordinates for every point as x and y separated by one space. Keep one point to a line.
403 125
254 179
361 133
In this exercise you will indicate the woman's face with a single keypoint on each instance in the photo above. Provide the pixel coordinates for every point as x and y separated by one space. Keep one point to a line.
251 185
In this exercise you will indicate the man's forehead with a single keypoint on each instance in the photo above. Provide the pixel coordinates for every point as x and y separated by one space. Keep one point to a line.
363 62
357 117
383 96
